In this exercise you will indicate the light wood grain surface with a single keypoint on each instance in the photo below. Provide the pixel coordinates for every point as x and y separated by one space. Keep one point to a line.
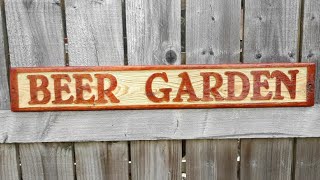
131 87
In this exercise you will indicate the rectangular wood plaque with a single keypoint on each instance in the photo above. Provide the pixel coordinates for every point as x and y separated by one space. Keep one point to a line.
152 87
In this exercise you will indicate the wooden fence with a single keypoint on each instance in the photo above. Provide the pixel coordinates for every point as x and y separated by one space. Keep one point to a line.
219 144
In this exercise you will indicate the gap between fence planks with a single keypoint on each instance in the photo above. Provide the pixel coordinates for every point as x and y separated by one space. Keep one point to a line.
210 27
95 35
270 35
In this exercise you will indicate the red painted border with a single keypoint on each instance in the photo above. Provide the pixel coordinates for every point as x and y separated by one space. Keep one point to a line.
15 97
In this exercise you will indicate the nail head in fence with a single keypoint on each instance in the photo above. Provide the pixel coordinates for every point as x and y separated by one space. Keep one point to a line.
159 87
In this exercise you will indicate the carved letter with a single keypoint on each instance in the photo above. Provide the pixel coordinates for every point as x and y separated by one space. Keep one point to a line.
257 84
290 84
58 88
185 82
34 89
231 84
165 91
213 90
80 88
107 92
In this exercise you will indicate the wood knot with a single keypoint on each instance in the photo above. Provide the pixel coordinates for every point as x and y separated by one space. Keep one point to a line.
171 57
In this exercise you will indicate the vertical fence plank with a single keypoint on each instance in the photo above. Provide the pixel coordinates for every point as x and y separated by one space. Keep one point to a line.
271 31
266 159
307 164
270 35
310 51
153 30
211 159
95 37
212 37
153 36
4 89
47 161
35 35
9 162
156 160
95 32
9 159
213 31
101 160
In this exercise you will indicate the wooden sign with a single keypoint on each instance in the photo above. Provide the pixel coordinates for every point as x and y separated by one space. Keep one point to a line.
151 87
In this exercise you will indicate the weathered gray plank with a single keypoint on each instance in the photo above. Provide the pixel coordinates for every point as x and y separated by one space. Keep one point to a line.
153 36
159 124
311 37
156 160
35 35
271 30
153 31
35 32
94 31
95 38
102 160
308 150
212 37
9 162
307 164
213 31
270 35
212 159
266 159
9 159
4 89
47 161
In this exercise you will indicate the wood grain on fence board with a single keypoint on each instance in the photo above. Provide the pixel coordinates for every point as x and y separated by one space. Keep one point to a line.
266 159
9 162
102 160
212 37
35 32
307 164
126 125
156 160
94 30
307 161
153 36
4 89
213 31
50 161
270 35
9 158
271 31
35 35
212 159
310 51
153 31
